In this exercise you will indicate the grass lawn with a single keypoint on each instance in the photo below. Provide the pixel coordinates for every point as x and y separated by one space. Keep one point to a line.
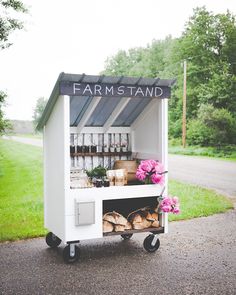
224 153
28 135
21 194
21 191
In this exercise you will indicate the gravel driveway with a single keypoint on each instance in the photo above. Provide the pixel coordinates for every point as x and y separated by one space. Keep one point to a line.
197 257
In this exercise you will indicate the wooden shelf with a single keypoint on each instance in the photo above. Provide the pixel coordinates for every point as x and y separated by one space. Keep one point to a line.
101 154
156 230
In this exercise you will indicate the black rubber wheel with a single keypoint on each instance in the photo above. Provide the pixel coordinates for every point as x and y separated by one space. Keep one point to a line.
52 240
67 257
147 244
127 236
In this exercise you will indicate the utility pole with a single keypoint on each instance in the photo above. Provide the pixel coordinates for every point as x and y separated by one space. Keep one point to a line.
184 106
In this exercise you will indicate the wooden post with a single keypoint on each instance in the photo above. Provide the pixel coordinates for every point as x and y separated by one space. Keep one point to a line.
184 106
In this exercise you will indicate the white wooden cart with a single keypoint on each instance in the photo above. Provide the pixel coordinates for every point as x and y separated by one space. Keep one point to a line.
97 109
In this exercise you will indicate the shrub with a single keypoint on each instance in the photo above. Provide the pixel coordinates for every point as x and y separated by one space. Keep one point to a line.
212 127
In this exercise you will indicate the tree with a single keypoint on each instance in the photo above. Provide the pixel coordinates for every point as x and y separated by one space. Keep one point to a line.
209 46
208 43
38 110
8 24
4 124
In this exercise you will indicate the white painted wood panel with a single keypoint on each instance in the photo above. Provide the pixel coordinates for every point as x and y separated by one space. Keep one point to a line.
111 193
84 232
56 166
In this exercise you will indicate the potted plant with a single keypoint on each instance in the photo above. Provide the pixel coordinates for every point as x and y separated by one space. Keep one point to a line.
97 172
112 147
105 148
124 146
118 148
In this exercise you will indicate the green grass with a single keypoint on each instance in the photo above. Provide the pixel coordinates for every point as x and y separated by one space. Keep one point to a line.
196 201
29 135
21 191
21 194
224 153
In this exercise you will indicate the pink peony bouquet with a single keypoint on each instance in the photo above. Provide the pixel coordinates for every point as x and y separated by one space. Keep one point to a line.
150 171
170 205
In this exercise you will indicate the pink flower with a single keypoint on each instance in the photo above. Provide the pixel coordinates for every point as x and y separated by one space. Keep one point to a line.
146 166
140 174
176 210
157 178
170 205
150 170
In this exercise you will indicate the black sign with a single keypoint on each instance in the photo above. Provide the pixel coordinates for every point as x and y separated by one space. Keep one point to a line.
118 90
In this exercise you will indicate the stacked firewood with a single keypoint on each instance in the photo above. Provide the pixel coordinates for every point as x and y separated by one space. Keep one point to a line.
113 221
143 218
139 219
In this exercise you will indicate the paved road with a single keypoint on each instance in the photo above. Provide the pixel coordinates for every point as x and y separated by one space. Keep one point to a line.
26 140
206 172
197 257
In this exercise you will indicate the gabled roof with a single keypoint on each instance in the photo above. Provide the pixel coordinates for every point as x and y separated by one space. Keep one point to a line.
103 95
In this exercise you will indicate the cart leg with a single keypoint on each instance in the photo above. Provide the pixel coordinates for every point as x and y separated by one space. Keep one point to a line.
155 238
72 250
71 253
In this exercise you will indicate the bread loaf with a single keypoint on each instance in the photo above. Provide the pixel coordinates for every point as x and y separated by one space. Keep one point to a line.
107 227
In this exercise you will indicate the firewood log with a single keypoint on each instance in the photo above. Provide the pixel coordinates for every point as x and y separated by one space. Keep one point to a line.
109 217
155 223
155 216
115 218
107 227
128 226
142 225
119 227
149 216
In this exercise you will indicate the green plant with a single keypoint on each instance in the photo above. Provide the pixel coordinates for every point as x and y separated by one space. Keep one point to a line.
98 171
212 127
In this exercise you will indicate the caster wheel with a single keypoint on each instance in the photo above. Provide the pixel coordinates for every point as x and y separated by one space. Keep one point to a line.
127 236
147 244
52 240
71 258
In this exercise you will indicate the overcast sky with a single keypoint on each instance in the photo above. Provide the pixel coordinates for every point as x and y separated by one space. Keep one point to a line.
76 36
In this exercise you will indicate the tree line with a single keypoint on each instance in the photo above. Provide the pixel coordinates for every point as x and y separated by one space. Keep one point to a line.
208 44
